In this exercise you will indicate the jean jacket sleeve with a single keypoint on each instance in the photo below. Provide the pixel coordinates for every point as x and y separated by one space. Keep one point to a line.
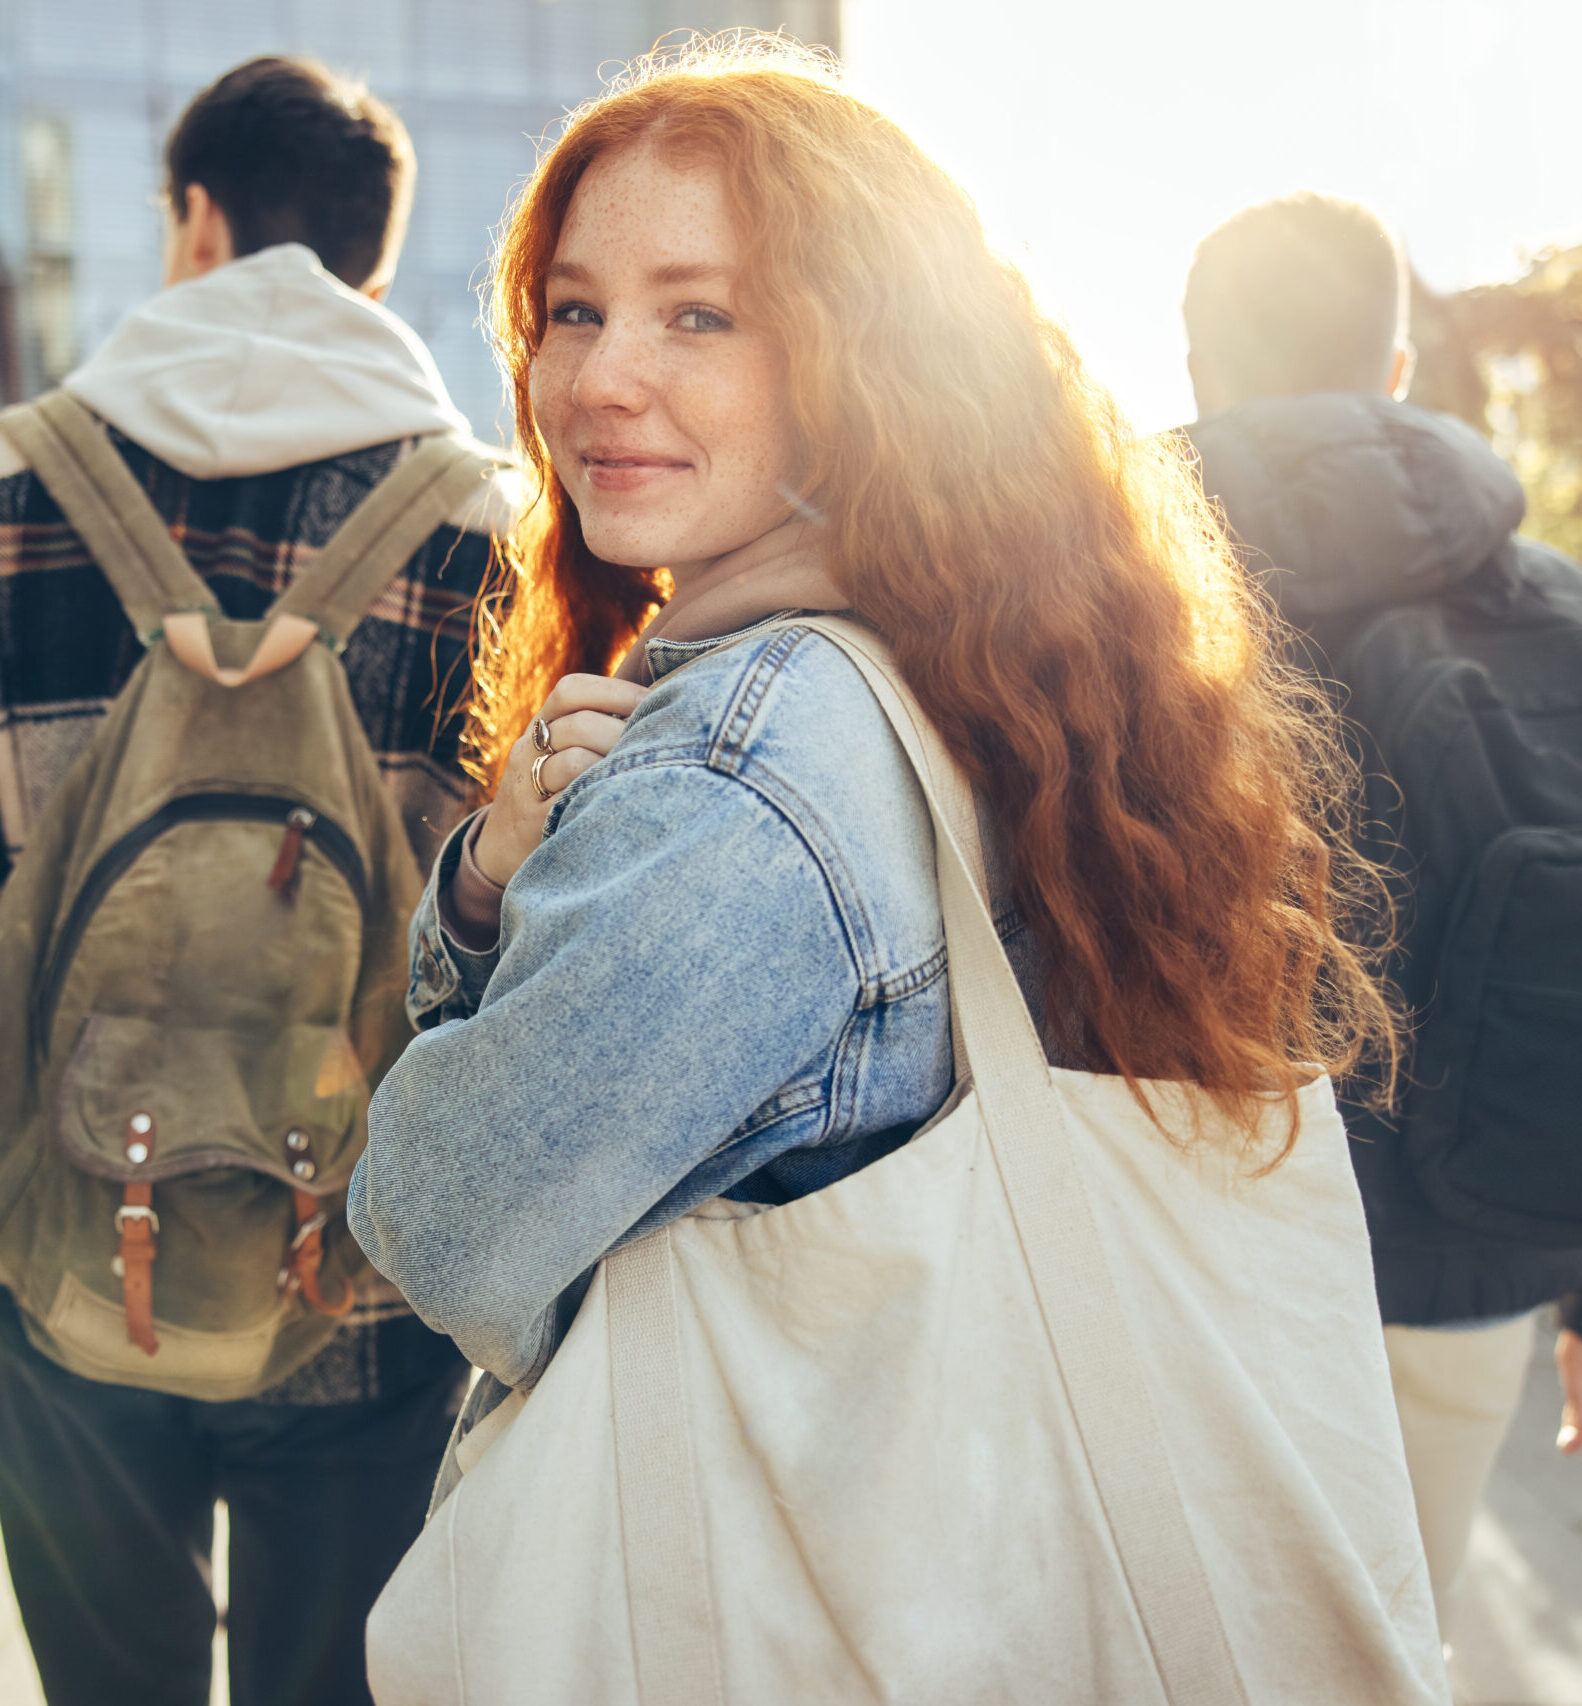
447 979
672 960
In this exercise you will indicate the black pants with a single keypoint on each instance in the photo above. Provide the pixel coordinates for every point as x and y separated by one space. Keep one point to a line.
107 1499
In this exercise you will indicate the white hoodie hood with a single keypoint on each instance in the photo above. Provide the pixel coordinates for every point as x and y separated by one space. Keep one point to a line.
265 363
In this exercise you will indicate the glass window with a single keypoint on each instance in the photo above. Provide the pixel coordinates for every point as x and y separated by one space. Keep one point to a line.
51 298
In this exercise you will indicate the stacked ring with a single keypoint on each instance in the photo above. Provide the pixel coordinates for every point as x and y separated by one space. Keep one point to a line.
537 773
539 730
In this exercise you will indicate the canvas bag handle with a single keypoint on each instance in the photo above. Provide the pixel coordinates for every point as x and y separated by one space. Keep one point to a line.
162 593
675 1647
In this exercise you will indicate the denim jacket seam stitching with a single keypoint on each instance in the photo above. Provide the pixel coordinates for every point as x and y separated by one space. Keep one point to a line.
727 749
810 1095
845 895
915 979
683 753
869 989
688 753
823 857
745 1134
1008 922
731 759
695 650
449 948
727 753
874 988
845 1070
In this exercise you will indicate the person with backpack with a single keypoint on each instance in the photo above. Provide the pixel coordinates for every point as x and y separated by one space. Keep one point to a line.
1387 536
839 1347
241 550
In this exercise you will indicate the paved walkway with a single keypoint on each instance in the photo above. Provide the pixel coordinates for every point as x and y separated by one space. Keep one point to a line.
1519 1630
1517 1638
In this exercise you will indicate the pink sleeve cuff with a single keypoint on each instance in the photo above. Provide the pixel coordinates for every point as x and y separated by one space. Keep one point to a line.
470 908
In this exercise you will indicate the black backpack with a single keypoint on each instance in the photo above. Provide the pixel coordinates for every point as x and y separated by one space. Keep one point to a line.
1472 702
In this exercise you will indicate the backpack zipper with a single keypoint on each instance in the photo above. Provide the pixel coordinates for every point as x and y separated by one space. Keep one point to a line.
301 823
283 877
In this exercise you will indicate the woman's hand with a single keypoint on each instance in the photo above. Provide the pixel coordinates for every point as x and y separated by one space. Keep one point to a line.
584 715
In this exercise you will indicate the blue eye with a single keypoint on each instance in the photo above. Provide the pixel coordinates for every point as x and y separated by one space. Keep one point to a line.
574 314
703 320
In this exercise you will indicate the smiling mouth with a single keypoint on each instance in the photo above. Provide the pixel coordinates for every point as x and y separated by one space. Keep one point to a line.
629 473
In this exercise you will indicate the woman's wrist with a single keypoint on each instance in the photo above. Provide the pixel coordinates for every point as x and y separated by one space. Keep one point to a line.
470 907
507 832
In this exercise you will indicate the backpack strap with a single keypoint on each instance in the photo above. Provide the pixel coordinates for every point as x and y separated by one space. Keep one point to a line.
364 554
69 450
164 596
381 535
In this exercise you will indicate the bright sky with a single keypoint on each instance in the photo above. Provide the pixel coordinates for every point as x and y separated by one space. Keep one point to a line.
1102 138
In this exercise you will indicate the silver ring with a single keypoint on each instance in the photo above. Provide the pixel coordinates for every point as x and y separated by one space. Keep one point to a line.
538 776
539 730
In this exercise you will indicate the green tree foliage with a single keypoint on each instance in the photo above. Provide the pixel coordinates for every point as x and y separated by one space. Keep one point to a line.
1508 358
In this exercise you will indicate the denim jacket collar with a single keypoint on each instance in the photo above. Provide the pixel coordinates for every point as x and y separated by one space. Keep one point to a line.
666 656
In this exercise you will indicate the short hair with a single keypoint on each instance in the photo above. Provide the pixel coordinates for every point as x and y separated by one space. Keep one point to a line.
292 153
1307 293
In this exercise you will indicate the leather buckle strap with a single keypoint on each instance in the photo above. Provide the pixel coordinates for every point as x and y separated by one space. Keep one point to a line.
305 1254
137 1227
308 1228
137 1224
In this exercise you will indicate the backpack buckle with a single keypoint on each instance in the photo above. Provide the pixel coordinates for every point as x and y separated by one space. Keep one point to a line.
136 1211
305 1231
300 1270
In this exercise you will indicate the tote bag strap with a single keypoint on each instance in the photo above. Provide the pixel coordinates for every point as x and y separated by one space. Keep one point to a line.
1080 1304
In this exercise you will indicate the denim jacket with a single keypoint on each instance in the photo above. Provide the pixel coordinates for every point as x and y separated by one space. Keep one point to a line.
721 973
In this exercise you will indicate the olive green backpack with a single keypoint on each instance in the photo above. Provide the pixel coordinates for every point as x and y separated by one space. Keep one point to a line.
202 953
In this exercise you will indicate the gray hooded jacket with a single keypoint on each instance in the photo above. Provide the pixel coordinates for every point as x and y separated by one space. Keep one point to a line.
1350 504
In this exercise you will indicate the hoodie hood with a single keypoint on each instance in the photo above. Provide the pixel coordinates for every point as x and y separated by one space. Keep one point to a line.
1356 501
265 363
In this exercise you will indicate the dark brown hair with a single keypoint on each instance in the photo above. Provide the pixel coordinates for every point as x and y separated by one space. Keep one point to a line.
291 153
1307 293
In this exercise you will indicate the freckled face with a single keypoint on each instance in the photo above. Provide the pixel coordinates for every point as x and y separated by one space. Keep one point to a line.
664 413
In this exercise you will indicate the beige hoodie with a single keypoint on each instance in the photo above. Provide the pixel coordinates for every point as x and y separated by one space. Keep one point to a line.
265 363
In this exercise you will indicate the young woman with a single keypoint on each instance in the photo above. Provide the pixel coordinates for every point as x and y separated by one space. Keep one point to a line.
765 363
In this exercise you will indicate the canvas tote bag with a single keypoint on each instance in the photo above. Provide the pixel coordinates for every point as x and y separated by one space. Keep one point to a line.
1047 1408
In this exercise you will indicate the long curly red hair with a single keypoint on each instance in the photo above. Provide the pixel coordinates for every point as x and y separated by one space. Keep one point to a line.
1054 589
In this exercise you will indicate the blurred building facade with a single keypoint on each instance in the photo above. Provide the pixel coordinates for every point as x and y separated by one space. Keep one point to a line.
88 89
